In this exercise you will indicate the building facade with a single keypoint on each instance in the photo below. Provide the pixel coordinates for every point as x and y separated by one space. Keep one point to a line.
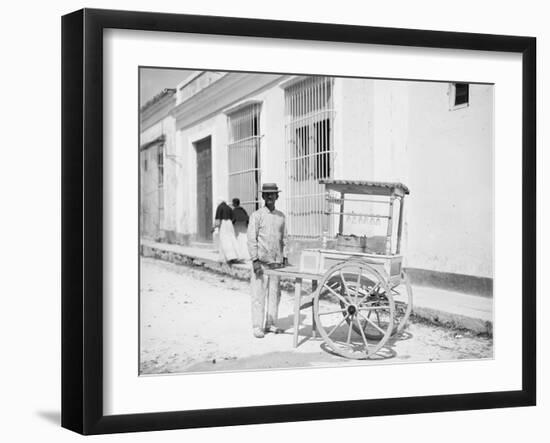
220 135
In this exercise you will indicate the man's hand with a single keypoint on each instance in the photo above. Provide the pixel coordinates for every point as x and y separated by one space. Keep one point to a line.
257 267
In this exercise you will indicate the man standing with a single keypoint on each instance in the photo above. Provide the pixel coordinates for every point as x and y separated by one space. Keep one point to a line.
266 237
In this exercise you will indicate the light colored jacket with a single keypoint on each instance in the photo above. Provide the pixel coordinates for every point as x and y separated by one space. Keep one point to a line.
267 236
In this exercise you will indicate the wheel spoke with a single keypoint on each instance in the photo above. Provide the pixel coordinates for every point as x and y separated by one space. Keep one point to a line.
349 331
338 325
345 284
363 335
358 285
333 312
369 293
374 308
336 294
374 288
374 324
334 284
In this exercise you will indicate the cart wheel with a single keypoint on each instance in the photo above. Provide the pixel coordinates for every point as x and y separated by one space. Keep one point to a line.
402 297
348 308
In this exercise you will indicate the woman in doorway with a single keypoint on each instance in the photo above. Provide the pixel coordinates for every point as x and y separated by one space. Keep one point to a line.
227 241
240 223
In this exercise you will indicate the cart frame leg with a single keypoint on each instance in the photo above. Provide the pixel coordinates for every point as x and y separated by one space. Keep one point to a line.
313 324
297 304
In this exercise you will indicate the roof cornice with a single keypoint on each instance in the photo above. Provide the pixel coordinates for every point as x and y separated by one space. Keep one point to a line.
219 96
157 111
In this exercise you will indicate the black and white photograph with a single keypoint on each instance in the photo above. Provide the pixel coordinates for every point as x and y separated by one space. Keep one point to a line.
275 222
303 221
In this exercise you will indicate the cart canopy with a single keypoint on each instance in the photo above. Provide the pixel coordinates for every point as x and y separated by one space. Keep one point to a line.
365 187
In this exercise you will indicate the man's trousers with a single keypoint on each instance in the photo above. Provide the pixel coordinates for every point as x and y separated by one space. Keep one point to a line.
262 295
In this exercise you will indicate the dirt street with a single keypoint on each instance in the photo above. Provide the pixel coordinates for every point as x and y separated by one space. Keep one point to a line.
197 321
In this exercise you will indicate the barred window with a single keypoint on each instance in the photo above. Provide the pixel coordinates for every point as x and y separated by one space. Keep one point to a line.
244 156
309 154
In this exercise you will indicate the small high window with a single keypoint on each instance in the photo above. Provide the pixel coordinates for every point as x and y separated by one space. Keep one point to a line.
459 95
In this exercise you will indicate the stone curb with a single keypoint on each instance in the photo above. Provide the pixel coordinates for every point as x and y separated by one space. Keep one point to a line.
453 320
239 271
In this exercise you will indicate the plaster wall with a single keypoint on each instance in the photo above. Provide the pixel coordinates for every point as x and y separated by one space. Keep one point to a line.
272 130
450 161
445 157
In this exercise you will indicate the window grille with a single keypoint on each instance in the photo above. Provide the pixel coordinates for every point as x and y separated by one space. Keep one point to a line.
244 156
309 153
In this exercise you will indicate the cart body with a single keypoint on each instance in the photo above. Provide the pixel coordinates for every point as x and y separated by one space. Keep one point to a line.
319 261
362 273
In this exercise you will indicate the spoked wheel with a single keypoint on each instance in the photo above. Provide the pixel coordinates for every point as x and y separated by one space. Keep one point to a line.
401 294
354 309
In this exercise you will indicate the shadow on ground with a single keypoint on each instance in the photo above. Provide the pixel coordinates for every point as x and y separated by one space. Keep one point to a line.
54 417
271 360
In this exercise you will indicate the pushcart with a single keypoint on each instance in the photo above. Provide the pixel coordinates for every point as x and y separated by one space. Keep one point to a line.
361 296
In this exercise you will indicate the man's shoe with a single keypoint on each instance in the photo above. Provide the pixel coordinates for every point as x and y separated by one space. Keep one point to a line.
273 329
258 333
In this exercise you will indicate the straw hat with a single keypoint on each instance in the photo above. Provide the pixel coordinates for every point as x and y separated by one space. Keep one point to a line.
270 187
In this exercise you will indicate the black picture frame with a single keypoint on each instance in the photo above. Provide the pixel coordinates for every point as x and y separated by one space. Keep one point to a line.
82 218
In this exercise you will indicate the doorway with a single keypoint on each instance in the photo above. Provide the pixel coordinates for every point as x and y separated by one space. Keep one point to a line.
203 149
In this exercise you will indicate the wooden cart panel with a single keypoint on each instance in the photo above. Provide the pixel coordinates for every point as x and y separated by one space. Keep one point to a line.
318 261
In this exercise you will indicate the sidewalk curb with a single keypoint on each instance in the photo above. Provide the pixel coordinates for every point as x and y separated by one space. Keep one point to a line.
433 316
239 271
452 320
